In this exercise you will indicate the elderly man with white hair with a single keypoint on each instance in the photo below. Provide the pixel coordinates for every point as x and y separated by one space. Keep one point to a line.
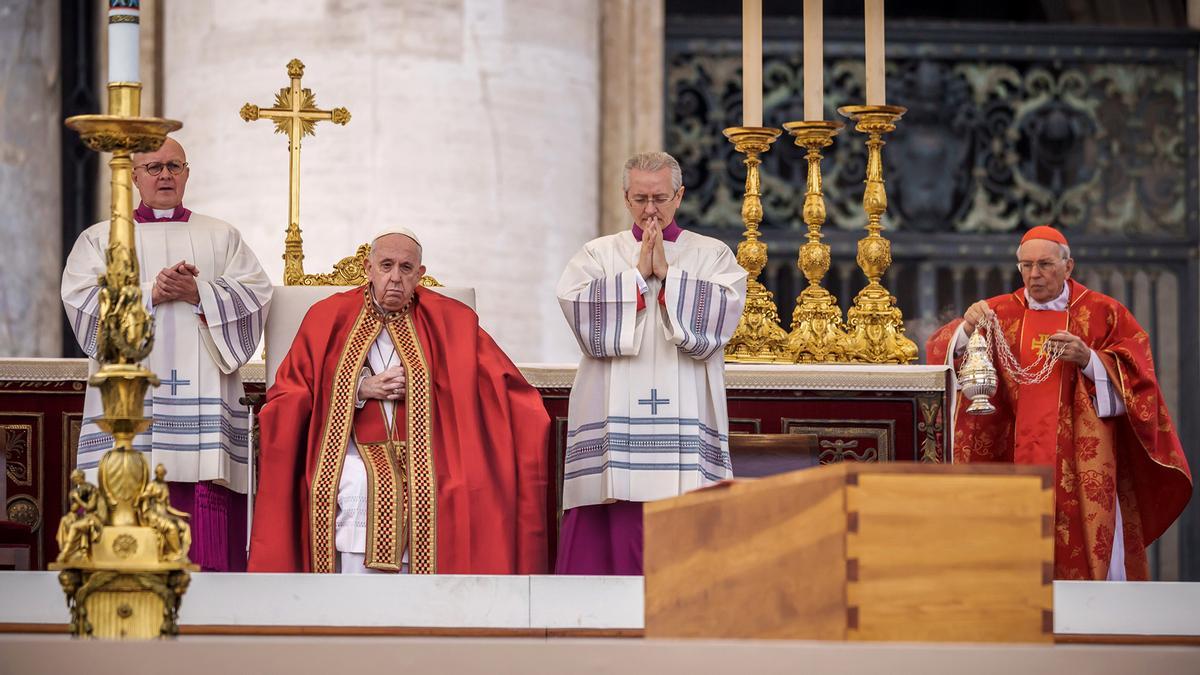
398 437
652 308
1079 394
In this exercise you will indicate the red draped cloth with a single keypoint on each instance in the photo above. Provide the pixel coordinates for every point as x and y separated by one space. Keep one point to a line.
1134 457
467 483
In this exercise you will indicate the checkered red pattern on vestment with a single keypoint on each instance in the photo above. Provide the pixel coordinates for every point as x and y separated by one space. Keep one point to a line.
324 489
422 472
386 530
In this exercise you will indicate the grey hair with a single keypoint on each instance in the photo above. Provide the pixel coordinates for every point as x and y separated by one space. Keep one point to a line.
1062 248
653 161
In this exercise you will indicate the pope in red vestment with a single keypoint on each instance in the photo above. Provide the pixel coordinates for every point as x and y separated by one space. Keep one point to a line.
1099 418
457 473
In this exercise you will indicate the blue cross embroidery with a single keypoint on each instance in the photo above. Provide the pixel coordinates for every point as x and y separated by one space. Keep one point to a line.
654 401
174 383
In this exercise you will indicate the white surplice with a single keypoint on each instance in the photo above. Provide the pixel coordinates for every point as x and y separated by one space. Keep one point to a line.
200 430
647 415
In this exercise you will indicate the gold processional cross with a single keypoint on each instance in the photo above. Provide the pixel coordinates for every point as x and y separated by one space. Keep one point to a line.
295 115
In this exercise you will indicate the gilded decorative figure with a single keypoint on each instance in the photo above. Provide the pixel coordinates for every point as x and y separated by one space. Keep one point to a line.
155 510
80 527
758 337
127 333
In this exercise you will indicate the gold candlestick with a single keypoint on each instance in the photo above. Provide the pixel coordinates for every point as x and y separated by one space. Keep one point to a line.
817 334
123 549
875 325
758 337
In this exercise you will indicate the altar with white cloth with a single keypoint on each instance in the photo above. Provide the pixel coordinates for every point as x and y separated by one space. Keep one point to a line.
782 417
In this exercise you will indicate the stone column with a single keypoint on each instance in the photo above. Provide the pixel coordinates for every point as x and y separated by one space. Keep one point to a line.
30 187
474 122
632 99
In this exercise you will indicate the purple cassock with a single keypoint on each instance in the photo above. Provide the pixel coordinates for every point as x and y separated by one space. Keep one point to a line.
218 520
601 539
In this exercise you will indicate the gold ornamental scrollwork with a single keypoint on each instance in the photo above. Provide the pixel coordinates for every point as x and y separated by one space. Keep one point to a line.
875 325
930 427
349 271
758 337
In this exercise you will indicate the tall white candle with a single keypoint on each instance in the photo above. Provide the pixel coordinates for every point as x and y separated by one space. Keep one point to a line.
876 89
123 16
752 86
814 68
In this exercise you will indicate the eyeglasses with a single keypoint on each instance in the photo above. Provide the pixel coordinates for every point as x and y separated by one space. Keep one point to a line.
1042 265
641 201
155 168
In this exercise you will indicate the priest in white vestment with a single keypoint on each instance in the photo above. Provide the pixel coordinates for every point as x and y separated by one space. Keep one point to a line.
209 298
652 309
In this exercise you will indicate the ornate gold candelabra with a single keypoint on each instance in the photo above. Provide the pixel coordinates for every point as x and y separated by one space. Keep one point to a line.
123 549
875 326
817 334
758 337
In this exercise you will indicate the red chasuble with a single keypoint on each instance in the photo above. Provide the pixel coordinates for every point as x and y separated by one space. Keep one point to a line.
459 480
1135 457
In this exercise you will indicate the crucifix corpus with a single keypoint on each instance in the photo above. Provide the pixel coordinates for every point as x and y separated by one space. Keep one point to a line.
295 115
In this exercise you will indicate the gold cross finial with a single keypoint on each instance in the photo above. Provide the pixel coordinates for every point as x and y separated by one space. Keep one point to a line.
295 115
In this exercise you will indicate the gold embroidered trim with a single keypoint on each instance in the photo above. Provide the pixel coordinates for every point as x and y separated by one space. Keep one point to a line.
340 418
387 529
422 470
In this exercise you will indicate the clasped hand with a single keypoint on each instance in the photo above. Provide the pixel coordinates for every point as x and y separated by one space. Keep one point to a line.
390 385
652 260
176 283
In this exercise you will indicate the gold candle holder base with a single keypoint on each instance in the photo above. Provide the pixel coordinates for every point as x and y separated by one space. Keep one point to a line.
122 548
875 325
758 337
817 334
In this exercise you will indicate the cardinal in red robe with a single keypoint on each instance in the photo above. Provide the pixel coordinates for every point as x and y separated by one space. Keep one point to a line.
1120 475
398 437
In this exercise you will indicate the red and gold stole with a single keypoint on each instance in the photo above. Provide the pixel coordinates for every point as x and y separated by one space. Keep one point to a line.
402 477
384 453
1036 426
